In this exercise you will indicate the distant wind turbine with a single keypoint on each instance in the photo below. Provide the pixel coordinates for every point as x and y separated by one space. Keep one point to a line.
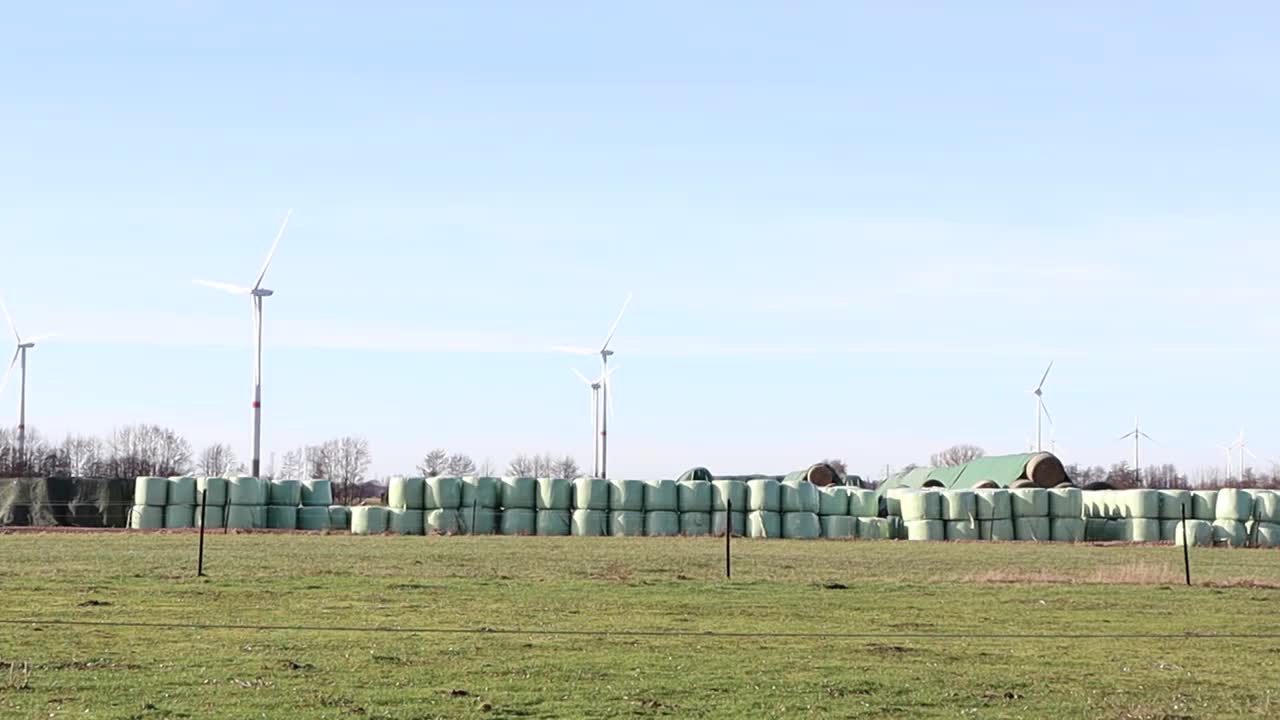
1137 434
605 353
20 357
595 386
1243 447
1041 410
258 294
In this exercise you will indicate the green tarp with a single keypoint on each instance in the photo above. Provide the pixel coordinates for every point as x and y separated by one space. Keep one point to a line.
68 502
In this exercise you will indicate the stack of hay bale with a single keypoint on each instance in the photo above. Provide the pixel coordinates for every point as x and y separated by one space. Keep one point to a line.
662 508
1030 510
246 497
315 513
405 513
833 513
922 515
1174 504
1066 515
283 499
626 511
800 505
211 502
555 506
519 506
959 511
1232 510
696 498
995 514
764 508
441 503
481 505
591 506
150 495
729 503
1266 513
864 507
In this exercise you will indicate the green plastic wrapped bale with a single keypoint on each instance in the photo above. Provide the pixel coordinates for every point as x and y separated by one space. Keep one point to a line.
244 490
1142 530
591 493
442 521
663 523
1142 503
863 503
339 517
590 523
996 530
407 493
556 494
958 505
1172 503
1267 535
1233 504
764 524
284 493
282 517
928 530
313 518
317 493
555 522
1030 529
179 517
838 527
735 522
1204 504
893 501
628 523
764 495
993 504
1029 503
1067 503
875 528
695 496
962 530
801 525
724 492
1197 533
833 500
1066 529
146 517
693 524
798 496
245 517
182 491
368 520
1095 529
1168 528
662 496
1266 506
520 493
213 517
1092 504
920 505
626 495
481 492
152 491
442 493
216 487
1229 532
402 521
519 521
480 520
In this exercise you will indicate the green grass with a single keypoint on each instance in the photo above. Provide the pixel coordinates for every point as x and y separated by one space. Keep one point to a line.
893 595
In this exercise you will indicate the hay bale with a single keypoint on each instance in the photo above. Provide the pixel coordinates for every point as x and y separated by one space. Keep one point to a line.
1233 504
339 517
663 523
179 517
724 492
999 530
1204 504
153 491
403 521
182 490
519 521
662 496
285 493
993 504
838 527
963 530
1030 529
1198 533
925 530
282 517
212 518
213 489
694 496
555 523
438 521
1029 503
1169 527
1095 529
798 496
1230 532
146 517
628 523
591 523
1172 503
483 492
1266 506
1141 503
445 493
693 524
245 490
368 520
626 496
1142 530
875 528
833 500
957 505
863 503
520 493
735 522
764 524
764 495
591 494
245 517
920 505
317 493
1066 529
1267 535
480 520
893 500
1066 503
801 525
313 518
407 493
1045 470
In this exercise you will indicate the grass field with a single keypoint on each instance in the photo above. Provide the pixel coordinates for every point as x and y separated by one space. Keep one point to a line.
916 630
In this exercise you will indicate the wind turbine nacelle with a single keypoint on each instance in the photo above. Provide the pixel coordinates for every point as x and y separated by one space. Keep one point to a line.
25 346
263 292
607 353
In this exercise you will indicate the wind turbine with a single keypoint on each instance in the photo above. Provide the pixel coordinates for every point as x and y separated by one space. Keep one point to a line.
258 294
1226 450
1242 446
1041 410
20 357
605 353
1137 435
595 386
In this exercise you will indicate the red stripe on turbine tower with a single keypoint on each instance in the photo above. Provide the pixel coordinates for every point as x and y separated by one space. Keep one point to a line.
256 404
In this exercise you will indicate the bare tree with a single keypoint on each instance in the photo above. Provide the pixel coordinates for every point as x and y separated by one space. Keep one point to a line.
217 459
82 455
345 461
147 450
956 455
460 465
565 467
544 465
487 468
434 463
521 466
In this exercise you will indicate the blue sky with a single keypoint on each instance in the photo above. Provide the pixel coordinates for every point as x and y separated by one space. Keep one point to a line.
852 229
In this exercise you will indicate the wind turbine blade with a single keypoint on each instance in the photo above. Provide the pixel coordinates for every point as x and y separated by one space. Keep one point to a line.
225 287
608 393
574 350
1046 376
9 370
1127 435
1045 408
272 254
9 317
1250 452
581 377
1148 437
614 329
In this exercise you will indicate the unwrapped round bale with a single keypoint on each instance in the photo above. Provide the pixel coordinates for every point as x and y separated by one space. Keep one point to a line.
996 530
662 496
245 490
313 518
1204 504
282 517
1196 532
833 500
481 492
317 493
663 523
1266 506
920 505
152 491
179 517
1267 535
1230 532
1172 504
213 518
401 521
1233 504
764 495
213 489
801 525
931 530
182 490
1066 503
722 522
520 493
863 503
837 527
958 505
555 494
286 493
1065 529
1045 470
591 493
875 528
556 523
407 493
339 517
993 504
1142 530
441 521
963 530
519 521
628 523
799 496
693 524
764 524
695 496
368 520
626 495
442 493
591 523
1030 529
724 492
480 520
146 517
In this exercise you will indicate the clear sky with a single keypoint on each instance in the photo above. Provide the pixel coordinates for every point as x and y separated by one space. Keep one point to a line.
852 229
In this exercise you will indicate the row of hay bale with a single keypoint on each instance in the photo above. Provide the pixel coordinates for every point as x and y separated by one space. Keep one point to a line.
999 514
242 502
1233 517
